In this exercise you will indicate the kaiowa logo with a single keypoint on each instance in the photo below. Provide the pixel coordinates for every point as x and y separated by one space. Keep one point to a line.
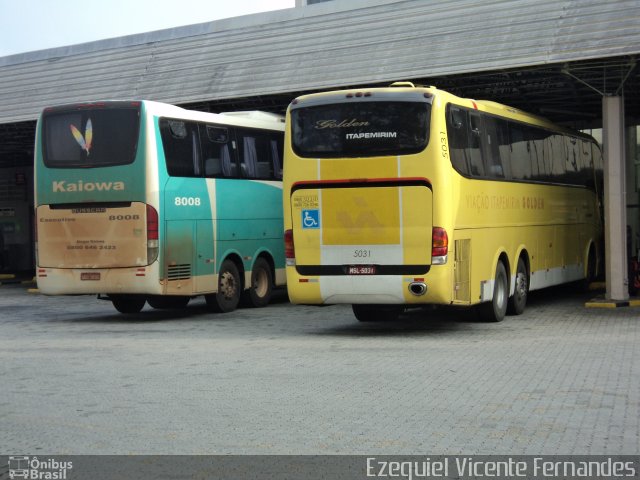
80 186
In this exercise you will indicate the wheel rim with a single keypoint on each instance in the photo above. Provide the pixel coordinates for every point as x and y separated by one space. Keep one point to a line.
521 285
228 286
261 283
500 293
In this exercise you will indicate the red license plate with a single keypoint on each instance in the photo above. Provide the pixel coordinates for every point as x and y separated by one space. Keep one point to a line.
90 276
361 270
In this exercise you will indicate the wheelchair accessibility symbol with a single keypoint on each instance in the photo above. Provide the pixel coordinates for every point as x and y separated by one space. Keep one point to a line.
310 218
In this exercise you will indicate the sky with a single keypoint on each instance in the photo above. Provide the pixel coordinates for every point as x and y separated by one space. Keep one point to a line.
27 25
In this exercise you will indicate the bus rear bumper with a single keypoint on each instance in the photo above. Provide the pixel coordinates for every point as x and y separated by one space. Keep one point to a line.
363 289
81 281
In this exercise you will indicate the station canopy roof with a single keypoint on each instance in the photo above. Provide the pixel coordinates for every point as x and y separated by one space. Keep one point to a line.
555 58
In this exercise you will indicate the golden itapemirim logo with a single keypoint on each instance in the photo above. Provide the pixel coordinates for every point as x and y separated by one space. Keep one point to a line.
332 123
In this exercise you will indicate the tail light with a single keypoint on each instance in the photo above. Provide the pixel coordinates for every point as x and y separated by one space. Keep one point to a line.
439 246
152 234
289 248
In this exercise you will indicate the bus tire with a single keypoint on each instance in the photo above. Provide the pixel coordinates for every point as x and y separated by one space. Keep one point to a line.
496 309
128 303
229 288
590 274
259 292
377 313
518 301
167 301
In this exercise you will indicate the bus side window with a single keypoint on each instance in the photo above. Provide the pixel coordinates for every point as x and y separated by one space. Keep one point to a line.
492 153
253 154
558 154
572 166
475 145
520 152
535 138
548 155
596 159
504 146
249 157
216 151
260 154
276 145
457 127
586 172
181 145
542 146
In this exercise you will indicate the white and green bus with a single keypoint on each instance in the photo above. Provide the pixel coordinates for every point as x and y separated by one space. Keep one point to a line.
147 202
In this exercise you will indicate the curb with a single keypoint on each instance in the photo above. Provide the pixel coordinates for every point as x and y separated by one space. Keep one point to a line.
604 303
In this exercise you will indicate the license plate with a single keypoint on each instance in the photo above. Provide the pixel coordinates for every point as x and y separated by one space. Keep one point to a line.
90 276
361 270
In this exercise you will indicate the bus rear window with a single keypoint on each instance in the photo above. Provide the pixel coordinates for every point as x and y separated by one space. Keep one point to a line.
85 138
360 129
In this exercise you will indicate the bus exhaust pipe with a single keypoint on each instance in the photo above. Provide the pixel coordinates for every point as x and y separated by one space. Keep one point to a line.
418 288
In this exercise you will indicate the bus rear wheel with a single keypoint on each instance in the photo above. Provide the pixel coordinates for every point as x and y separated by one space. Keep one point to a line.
518 301
229 287
377 313
496 309
259 293
167 301
128 303
590 274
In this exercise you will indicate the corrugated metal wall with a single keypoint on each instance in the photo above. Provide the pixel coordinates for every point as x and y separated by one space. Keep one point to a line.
319 46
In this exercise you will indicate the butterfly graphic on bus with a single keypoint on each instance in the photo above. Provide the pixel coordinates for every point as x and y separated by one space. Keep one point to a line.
83 140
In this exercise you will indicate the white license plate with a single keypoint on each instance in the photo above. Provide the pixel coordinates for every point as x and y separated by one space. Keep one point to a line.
361 270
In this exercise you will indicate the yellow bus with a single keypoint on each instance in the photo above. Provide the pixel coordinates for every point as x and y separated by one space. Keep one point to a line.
406 196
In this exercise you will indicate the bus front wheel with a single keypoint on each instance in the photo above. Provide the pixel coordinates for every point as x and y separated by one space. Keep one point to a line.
128 303
259 293
496 309
227 297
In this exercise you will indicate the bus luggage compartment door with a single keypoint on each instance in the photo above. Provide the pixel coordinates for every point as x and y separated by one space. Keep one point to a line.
179 256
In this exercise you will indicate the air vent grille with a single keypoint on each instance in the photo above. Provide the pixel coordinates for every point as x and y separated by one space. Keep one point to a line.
462 291
179 272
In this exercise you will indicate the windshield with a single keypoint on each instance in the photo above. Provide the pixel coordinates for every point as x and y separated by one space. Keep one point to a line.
90 137
360 129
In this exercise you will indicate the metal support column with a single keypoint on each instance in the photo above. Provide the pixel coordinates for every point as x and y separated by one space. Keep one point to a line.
615 213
